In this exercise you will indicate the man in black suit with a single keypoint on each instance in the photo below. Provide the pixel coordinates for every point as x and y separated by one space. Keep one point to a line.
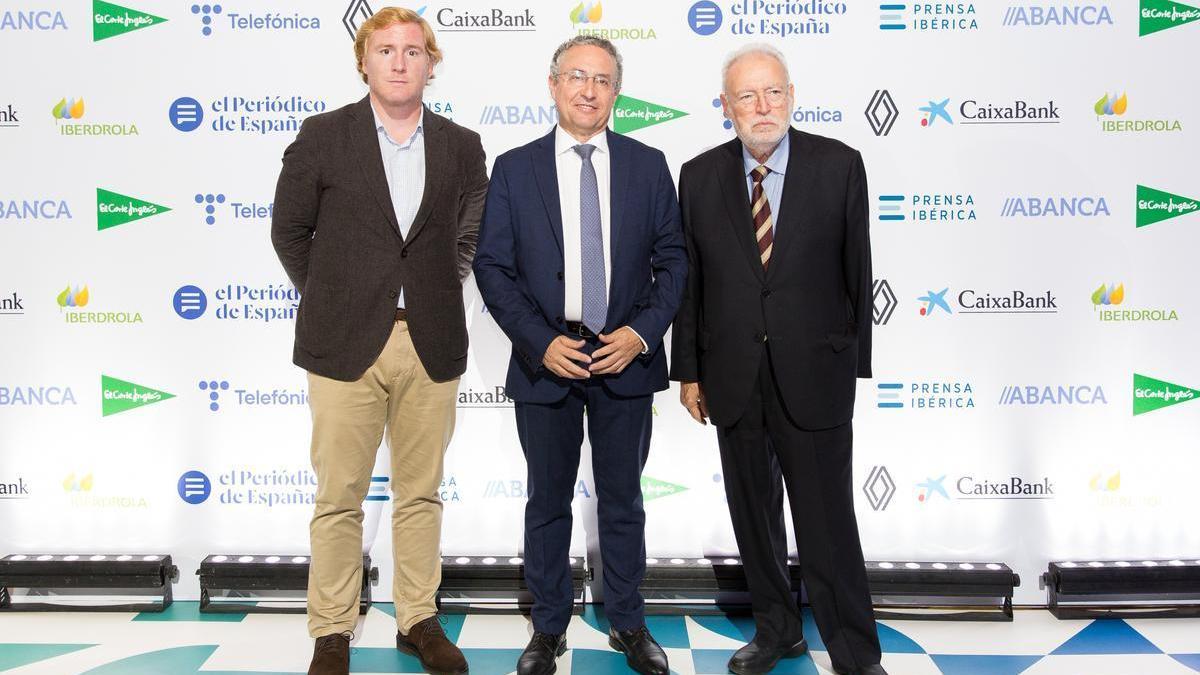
775 327
376 219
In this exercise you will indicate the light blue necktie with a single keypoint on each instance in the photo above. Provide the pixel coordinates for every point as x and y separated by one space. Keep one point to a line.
591 244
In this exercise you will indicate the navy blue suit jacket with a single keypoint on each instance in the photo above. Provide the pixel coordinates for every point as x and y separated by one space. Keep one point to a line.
519 263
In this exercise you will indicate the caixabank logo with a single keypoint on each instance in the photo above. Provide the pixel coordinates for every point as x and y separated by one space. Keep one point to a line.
235 114
237 302
1159 15
973 301
110 20
1150 394
974 111
760 19
1155 206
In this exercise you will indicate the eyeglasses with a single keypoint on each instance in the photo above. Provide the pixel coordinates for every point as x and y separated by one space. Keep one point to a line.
747 100
577 79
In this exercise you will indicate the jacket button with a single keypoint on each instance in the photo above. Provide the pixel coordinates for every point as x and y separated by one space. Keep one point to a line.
392 294
558 319
760 337
766 292
403 253
560 276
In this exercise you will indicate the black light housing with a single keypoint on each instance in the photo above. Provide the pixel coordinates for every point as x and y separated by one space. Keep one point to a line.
942 590
264 584
86 582
496 585
1123 588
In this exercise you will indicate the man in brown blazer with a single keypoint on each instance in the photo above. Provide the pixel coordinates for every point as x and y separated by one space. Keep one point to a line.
376 217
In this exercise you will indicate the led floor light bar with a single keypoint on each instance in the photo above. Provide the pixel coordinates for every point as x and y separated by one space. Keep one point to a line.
909 590
1123 588
84 582
957 591
264 584
496 585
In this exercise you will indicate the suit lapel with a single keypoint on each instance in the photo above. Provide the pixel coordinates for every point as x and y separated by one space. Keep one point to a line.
365 138
545 172
797 197
437 169
732 178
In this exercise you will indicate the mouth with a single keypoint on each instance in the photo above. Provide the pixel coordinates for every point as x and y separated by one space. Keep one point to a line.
587 107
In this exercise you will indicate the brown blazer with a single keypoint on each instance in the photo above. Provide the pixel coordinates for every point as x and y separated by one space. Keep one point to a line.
336 235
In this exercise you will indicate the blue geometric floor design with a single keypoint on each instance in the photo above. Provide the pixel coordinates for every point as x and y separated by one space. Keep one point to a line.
182 641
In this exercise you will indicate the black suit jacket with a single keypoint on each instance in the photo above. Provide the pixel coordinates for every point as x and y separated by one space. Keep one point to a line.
811 309
335 231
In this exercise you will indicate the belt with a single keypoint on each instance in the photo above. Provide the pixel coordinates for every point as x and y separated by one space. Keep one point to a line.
577 329
401 314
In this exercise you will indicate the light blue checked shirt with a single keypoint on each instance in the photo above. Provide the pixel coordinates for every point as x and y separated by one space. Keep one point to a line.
773 183
404 166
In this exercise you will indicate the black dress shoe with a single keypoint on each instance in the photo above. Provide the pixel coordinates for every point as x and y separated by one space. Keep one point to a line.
757 658
540 654
876 669
642 653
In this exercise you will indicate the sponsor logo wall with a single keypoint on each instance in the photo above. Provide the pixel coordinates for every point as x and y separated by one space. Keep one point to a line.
1034 224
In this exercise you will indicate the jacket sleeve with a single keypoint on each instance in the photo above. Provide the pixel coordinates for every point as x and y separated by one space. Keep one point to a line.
856 260
685 361
470 207
668 260
496 276
297 197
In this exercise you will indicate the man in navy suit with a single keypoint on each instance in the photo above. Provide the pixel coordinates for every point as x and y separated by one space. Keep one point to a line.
581 261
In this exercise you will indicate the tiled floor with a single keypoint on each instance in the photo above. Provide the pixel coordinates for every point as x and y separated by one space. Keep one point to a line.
182 641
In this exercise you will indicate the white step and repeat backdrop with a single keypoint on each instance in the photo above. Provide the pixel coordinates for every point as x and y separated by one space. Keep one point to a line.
1033 180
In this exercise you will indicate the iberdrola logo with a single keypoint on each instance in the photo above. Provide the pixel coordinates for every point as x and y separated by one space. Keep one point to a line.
73 298
1154 206
1159 15
1109 295
109 20
586 12
631 114
67 110
1111 106
1150 394
652 488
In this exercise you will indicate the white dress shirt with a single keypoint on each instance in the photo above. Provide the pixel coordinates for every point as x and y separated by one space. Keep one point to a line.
404 168
568 163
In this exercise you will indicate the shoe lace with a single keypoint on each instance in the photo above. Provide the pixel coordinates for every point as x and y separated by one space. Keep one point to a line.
329 643
431 629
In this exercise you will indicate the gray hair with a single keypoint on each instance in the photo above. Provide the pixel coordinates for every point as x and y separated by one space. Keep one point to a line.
582 40
759 48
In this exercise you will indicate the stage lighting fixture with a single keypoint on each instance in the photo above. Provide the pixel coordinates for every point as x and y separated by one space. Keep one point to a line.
86 582
496 585
1130 588
265 584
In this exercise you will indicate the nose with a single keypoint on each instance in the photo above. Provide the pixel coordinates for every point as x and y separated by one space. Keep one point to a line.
761 106
400 62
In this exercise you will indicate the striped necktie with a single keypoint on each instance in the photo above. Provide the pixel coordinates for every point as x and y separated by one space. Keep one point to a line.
760 211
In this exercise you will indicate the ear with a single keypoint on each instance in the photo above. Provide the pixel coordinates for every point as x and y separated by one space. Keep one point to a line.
725 107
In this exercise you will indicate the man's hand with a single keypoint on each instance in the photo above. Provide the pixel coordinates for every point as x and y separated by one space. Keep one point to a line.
561 355
692 397
620 348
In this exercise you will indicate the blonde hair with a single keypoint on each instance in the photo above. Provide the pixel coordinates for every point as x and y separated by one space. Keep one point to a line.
385 18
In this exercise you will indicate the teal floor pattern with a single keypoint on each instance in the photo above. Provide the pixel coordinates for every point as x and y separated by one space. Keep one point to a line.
182 641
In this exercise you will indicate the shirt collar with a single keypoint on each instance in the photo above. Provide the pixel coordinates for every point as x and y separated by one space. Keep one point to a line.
564 142
419 130
777 162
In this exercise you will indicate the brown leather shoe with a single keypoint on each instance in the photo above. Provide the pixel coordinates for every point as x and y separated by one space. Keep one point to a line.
331 655
427 641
